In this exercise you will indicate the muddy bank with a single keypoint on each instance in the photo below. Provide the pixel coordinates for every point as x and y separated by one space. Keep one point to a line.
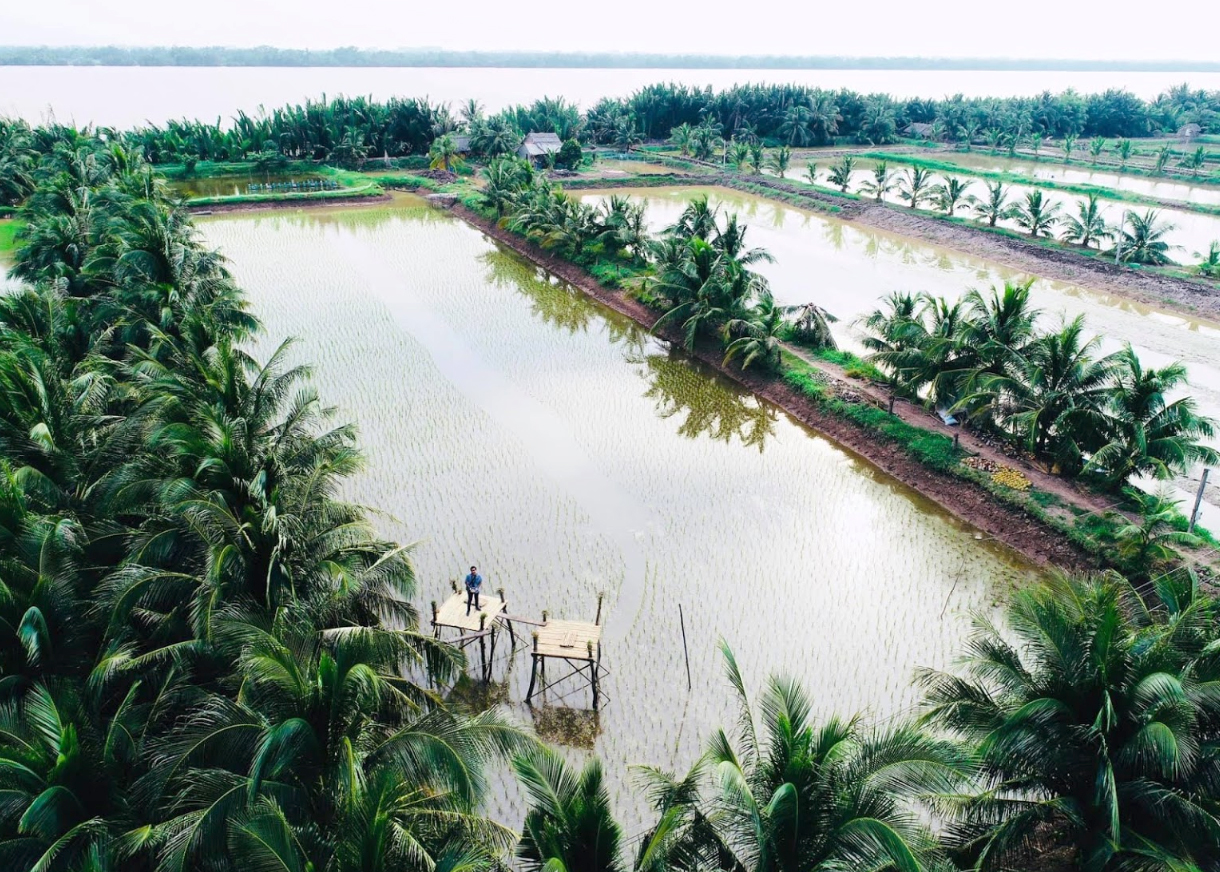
960 498
260 205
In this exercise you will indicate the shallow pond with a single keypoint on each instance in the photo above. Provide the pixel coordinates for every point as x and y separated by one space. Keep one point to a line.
239 184
512 423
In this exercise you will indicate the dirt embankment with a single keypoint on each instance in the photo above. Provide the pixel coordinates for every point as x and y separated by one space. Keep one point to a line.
962 499
262 205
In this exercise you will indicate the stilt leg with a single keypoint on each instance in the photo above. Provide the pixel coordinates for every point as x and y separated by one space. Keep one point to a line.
533 678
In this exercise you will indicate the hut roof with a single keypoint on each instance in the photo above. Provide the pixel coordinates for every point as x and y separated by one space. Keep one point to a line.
1190 131
538 144
461 143
919 128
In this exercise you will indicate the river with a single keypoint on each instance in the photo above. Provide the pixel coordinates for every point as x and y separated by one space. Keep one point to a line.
128 96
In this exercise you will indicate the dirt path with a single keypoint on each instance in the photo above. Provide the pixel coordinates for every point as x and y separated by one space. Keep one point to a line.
962 499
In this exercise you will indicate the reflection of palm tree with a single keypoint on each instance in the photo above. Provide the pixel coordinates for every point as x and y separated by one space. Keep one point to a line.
556 303
713 407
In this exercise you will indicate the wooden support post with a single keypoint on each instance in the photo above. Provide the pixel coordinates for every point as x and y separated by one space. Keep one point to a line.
529 694
685 650
436 628
600 596
593 670
483 643
512 633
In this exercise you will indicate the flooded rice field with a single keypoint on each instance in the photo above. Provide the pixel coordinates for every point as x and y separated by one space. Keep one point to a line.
1079 172
1190 235
240 184
847 269
511 422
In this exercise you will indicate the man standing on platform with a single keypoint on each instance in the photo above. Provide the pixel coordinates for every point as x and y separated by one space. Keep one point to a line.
474 582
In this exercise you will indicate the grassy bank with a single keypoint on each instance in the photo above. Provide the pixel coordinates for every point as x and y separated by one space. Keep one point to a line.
9 228
370 189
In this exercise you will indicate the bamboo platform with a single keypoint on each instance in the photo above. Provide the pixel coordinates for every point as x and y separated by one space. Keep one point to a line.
452 613
577 643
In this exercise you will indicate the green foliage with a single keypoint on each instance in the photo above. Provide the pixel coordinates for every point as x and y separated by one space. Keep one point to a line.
208 659
570 155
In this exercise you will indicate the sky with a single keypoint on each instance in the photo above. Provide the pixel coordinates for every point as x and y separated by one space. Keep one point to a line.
929 28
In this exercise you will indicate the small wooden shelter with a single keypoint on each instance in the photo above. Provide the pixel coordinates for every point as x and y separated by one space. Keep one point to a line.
537 146
577 644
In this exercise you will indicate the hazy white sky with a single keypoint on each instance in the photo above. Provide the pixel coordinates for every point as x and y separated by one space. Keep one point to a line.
940 28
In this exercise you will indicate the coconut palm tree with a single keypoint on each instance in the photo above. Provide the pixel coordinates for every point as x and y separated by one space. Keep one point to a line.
787 794
1036 214
880 184
1096 146
758 336
756 157
681 137
1069 145
811 173
1087 227
995 207
1052 396
1147 434
1153 538
444 153
810 325
840 173
569 826
779 159
948 195
1124 153
915 186
795 127
1084 715
740 153
1142 239
1210 264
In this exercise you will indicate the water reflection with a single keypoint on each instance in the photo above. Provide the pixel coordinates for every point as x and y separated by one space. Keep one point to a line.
713 406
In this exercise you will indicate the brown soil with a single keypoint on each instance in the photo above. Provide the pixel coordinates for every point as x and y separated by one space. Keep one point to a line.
962 499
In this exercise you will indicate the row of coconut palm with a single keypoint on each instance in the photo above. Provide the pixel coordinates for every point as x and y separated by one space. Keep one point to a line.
697 272
985 358
1078 735
1139 239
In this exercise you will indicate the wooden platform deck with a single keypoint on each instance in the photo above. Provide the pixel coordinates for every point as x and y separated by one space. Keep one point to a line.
452 612
569 640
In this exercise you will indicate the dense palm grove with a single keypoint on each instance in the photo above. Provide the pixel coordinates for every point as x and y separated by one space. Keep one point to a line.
347 130
209 660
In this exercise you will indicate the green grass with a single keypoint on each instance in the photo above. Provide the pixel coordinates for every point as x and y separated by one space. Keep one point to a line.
8 234
944 166
369 189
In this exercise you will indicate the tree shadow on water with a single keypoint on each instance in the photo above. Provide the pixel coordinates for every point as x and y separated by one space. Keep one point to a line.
713 407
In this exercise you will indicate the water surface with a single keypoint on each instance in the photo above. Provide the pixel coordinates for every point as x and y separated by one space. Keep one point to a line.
128 96
512 423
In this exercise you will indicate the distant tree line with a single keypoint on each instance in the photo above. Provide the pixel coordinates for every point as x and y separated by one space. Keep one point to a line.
347 130
350 56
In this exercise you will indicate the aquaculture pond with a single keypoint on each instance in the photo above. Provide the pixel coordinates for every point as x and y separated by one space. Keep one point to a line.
512 423
1190 234
1079 172
847 269
241 184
